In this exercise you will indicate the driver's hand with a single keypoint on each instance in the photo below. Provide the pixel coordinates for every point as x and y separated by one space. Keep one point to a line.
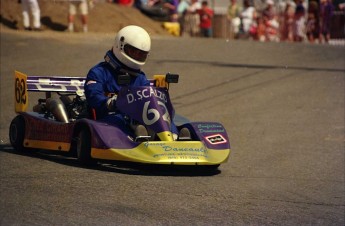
111 103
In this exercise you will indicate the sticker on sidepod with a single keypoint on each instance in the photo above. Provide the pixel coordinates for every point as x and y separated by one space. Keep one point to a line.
216 139
210 128
167 148
173 152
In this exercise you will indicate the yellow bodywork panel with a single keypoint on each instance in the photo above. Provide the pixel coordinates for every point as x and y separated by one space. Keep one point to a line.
179 153
166 136
20 92
160 81
47 145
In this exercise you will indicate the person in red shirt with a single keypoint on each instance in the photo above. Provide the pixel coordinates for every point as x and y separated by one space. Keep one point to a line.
206 16
126 2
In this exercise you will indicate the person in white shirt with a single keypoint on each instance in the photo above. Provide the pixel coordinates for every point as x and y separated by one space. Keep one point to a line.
248 16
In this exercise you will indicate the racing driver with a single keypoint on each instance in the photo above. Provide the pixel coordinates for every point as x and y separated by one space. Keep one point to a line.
128 54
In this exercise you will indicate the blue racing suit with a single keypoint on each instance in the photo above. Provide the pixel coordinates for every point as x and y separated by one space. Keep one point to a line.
101 79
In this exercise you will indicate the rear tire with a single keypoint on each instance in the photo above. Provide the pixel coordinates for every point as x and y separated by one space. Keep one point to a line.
84 148
17 133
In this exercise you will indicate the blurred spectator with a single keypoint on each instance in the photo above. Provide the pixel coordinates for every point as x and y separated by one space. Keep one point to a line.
248 17
271 22
134 3
258 31
153 2
181 11
206 16
139 3
161 10
326 13
82 7
342 7
128 3
269 11
192 20
299 22
27 6
312 26
288 22
172 5
233 17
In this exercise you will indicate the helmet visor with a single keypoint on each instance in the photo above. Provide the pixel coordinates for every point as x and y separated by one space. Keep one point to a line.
136 54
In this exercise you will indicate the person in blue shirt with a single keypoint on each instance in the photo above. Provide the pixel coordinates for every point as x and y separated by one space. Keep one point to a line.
127 56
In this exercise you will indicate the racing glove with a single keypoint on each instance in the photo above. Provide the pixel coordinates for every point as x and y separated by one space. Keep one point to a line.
111 103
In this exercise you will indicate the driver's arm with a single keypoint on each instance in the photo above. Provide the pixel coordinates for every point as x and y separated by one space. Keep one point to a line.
94 91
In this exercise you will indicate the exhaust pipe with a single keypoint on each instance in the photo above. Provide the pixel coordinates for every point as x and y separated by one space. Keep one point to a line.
57 108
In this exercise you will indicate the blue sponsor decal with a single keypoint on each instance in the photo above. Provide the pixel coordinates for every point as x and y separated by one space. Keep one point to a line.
211 128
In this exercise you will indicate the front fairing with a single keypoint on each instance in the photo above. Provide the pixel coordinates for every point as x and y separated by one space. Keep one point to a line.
210 147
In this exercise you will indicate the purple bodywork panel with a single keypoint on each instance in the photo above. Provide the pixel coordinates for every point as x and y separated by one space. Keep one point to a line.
106 136
148 105
44 129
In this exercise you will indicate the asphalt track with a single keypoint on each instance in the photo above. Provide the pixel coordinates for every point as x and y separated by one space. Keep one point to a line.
282 104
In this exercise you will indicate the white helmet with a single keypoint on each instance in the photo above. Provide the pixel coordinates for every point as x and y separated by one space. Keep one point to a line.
132 46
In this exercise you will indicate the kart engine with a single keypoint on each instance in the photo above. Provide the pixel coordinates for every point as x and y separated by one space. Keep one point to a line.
63 109
76 108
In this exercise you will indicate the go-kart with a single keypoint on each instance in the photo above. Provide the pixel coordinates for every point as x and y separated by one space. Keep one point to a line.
65 123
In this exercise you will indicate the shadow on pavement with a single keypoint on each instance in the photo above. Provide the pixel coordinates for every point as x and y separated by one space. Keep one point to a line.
9 23
129 168
47 21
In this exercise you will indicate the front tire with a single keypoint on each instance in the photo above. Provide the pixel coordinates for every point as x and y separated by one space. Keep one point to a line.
17 133
84 148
